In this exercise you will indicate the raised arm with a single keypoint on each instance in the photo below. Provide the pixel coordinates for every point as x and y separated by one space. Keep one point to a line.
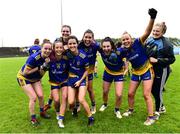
152 12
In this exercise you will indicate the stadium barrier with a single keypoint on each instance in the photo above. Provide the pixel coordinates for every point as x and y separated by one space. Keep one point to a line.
12 52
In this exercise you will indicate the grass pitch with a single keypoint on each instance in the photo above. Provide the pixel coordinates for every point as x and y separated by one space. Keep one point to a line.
14 114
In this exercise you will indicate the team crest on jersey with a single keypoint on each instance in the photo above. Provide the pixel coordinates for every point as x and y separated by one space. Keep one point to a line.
38 57
118 52
58 65
86 50
33 51
82 55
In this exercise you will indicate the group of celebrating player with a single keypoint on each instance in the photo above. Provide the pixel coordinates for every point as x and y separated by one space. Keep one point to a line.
71 66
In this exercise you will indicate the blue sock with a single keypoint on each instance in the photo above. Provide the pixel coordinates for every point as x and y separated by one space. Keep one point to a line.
116 109
61 117
131 110
91 118
33 116
50 101
41 110
151 117
93 103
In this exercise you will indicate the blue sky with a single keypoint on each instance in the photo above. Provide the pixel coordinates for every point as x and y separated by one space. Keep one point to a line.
24 20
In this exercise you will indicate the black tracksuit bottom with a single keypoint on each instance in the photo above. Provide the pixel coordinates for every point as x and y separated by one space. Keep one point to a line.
161 76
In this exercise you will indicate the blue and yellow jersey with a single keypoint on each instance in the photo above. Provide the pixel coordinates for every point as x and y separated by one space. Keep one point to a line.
78 64
33 49
91 52
33 61
138 58
114 67
58 70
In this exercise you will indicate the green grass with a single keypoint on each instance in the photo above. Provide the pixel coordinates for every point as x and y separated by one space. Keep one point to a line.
14 114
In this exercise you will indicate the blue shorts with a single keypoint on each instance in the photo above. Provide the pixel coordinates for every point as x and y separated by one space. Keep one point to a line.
73 80
109 77
146 76
58 86
90 77
23 82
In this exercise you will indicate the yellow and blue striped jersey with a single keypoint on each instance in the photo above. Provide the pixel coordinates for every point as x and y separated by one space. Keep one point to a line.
91 52
114 67
138 58
78 64
33 61
34 49
58 70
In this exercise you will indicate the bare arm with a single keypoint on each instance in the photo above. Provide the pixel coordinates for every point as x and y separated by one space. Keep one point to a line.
28 70
84 75
77 84
147 31
152 12
126 67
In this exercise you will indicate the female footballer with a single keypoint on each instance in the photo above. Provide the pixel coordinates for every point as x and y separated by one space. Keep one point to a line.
29 78
58 76
141 68
90 47
78 71
113 72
